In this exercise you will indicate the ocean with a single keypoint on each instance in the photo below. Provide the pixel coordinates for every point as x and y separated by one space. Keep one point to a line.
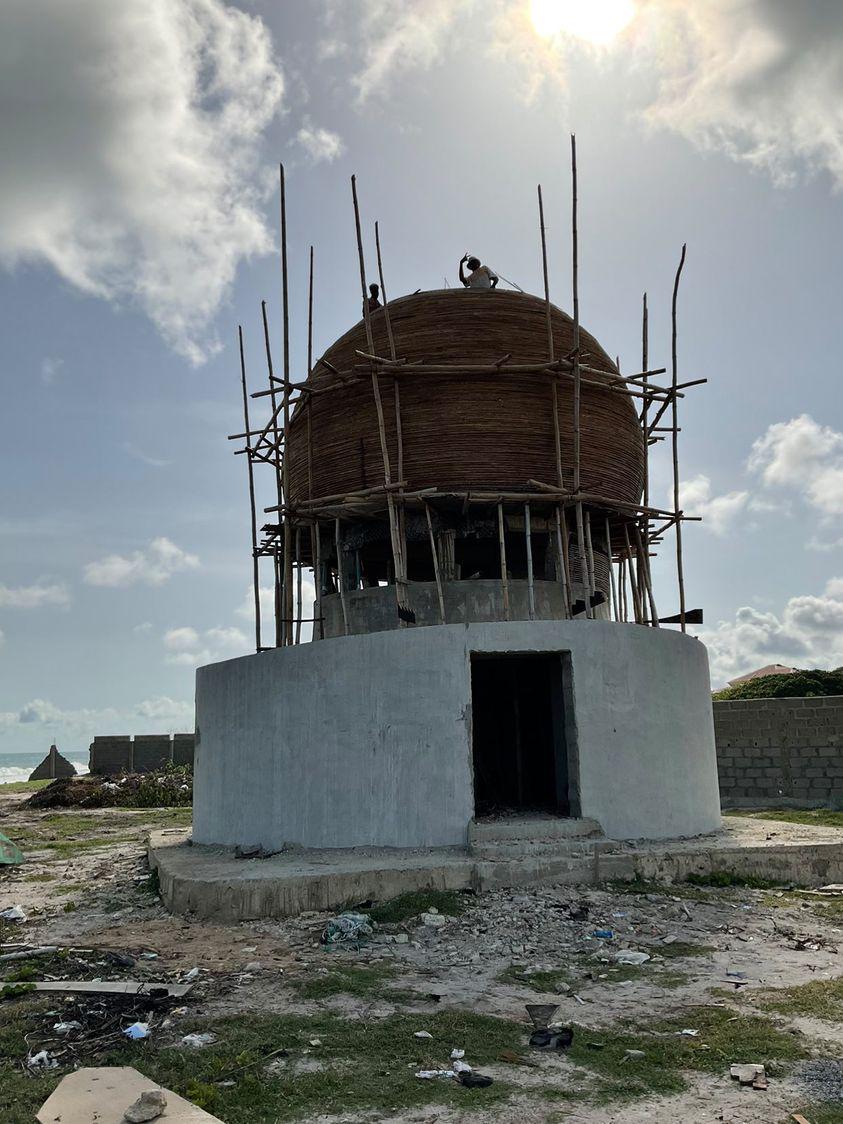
18 766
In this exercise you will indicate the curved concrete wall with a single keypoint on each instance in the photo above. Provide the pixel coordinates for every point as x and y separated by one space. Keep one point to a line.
366 740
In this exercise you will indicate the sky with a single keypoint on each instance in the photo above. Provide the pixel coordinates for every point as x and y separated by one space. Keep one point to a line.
139 227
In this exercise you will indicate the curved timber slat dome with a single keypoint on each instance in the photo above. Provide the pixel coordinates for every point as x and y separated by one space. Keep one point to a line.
462 430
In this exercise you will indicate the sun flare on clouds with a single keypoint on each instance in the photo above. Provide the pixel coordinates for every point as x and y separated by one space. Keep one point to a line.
596 21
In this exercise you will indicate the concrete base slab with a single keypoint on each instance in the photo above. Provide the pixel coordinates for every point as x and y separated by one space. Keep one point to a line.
211 882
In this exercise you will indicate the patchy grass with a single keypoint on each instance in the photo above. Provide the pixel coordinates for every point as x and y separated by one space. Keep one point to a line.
555 981
22 786
819 1113
816 817
414 902
44 876
366 1066
677 890
726 878
723 1037
347 979
819 999
66 833
677 950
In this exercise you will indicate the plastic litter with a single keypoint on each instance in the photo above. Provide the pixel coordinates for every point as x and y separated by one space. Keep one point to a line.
348 928
193 974
429 1074
137 1030
149 1106
66 1028
631 956
688 1033
460 1067
42 1060
457 1054
604 934
422 1034
541 1014
633 1055
474 1080
197 1041
552 1038
13 913
315 1042
10 853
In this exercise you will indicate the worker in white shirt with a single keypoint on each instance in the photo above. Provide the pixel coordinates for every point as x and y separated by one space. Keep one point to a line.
480 277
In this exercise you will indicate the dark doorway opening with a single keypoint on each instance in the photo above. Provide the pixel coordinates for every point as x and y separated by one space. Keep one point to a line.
519 741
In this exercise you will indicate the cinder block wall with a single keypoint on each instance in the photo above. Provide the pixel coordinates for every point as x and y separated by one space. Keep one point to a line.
780 752
140 754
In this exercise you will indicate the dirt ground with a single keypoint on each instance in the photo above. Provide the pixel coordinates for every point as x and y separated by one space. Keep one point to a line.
721 954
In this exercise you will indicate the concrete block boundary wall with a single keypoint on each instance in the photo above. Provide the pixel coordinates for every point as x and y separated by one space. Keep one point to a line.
780 752
141 754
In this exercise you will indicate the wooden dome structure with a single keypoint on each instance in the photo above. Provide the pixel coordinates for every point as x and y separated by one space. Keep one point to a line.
470 420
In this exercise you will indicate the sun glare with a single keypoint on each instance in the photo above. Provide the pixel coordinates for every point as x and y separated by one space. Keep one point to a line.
596 21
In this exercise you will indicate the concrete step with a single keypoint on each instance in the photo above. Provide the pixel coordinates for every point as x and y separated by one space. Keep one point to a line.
518 837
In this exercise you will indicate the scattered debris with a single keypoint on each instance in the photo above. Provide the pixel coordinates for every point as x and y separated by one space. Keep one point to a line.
541 1014
632 956
149 1106
688 1033
197 1041
45 950
348 928
110 987
749 1074
604 934
137 1031
422 1034
10 853
42 1060
193 974
433 918
552 1038
66 1027
474 1080
633 1055
13 913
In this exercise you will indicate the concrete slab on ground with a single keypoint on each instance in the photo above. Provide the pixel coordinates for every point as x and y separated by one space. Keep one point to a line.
212 882
103 1095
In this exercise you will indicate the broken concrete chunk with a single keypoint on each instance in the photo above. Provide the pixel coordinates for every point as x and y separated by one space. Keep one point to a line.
148 1106
747 1074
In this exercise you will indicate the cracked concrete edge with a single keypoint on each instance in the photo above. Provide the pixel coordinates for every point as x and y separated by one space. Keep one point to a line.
197 880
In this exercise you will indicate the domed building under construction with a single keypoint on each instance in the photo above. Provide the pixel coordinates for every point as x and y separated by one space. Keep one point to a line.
463 477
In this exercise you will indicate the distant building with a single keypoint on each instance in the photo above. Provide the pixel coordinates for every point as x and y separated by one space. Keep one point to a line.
770 669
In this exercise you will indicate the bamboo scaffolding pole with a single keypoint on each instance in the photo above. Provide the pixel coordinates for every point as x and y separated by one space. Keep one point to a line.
279 615
561 521
675 447
504 575
298 586
576 367
252 508
285 309
644 566
396 392
308 403
633 578
340 581
528 542
279 639
404 614
622 588
612 583
439 591
592 585
316 549
645 347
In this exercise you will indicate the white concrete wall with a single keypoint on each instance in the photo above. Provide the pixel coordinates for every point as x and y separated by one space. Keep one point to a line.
366 740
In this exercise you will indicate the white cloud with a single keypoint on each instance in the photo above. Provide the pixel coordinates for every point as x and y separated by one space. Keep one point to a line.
804 456
50 370
144 626
34 596
807 633
131 134
761 80
152 566
718 512
155 715
320 144
187 647
246 609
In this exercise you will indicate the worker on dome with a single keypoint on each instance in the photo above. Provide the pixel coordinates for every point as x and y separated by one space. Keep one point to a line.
481 277
373 300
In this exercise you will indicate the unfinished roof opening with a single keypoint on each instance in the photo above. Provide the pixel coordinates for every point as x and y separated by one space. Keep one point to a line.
519 742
